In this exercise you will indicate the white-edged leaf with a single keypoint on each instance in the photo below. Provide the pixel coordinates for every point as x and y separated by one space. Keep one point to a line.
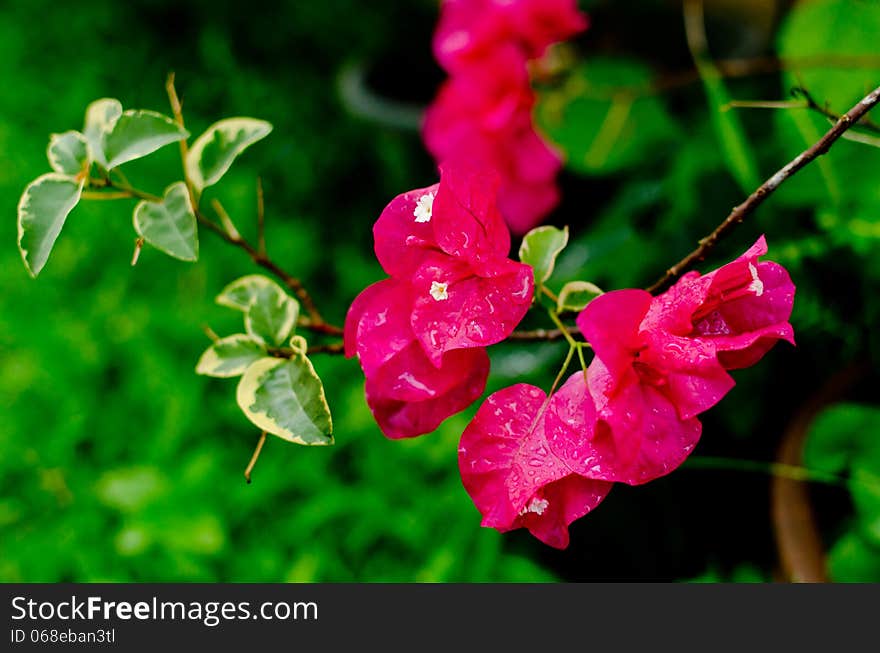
272 315
285 397
242 292
213 152
169 225
68 153
101 116
230 356
540 247
138 133
42 210
575 295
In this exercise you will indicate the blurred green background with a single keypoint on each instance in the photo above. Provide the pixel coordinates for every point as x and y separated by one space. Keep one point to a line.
120 464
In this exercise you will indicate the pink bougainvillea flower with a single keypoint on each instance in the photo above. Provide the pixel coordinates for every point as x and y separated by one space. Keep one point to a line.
741 308
513 477
661 361
450 243
458 217
484 117
470 29
377 326
631 436
483 112
457 308
408 394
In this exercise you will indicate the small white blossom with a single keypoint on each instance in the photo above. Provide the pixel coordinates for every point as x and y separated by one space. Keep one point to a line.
439 291
757 286
424 208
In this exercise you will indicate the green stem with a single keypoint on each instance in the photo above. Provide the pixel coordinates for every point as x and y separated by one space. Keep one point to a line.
783 470
581 346
555 318
564 369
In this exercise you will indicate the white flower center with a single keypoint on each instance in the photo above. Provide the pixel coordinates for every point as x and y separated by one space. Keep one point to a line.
424 208
537 506
439 291
757 286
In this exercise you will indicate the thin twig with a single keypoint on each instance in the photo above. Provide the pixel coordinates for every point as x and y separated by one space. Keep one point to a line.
138 246
739 213
810 103
548 335
225 220
250 467
210 333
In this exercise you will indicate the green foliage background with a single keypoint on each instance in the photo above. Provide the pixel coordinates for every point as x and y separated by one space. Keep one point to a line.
119 463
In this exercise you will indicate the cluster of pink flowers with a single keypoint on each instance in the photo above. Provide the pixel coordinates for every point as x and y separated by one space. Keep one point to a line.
483 112
421 335
540 463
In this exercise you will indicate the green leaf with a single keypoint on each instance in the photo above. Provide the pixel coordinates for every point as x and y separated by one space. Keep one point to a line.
272 316
575 295
230 356
68 153
101 116
853 559
831 29
170 225
865 489
602 117
285 397
213 152
137 134
270 313
42 210
540 247
241 293
837 437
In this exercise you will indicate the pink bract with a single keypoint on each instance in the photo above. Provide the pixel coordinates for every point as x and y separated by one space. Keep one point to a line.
632 436
513 477
469 29
459 127
661 361
377 325
409 396
473 310
483 113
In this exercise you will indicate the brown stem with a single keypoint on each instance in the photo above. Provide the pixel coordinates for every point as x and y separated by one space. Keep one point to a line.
138 246
811 104
259 448
739 213
798 541
546 335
